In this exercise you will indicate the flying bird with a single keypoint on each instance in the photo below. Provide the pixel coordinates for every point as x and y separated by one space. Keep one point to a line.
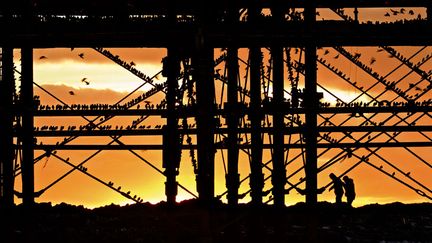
395 12
372 61
402 11
42 57
336 57
81 55
84 80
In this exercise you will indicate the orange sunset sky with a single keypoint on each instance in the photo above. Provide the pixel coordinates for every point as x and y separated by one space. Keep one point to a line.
62 71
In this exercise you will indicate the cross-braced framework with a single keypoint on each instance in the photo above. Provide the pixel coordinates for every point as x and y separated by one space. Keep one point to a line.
265 115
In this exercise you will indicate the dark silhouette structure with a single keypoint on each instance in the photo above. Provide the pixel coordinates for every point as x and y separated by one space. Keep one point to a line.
337 187
255 113
349 188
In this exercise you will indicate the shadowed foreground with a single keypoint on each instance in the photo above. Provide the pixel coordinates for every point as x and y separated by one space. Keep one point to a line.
189 222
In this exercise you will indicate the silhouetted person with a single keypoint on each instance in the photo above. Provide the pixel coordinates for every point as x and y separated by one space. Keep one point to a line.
337 187
349 189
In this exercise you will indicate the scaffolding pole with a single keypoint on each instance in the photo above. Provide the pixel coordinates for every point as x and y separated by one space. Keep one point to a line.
6 129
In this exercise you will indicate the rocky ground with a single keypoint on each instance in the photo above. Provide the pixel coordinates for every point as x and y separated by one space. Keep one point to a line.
190 222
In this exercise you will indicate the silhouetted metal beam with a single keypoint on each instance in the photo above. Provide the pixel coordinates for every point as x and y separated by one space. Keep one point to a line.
278 172
105 112
27 125
233 116
191 110
142 33
143 147
311 107
255 114
6 129
203 71
112 7
286 130
171 136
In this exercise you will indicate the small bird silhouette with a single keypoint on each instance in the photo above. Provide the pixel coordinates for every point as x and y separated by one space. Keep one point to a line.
84 80
71 92
42 57
336 57
81 55
395 12
372 61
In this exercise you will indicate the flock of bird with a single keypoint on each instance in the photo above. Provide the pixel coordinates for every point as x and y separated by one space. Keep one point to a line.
80 55
396 12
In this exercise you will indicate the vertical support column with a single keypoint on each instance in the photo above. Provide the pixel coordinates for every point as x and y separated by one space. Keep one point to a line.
311 106
171 136
203 65
6 129
233 177
255 117
429 13
278 173
356 12
27 125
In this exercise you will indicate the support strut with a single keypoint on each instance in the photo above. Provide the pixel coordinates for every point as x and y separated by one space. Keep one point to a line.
27 106
311 108
6 129
203 68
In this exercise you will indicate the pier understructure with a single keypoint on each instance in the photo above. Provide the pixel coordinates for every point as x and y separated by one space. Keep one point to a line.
277 93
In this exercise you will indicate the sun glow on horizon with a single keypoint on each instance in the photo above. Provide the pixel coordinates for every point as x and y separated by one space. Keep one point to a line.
99 76
108 82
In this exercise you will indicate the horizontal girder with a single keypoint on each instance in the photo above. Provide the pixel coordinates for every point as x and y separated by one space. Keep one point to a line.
185 6
241 146
286 130
158 35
